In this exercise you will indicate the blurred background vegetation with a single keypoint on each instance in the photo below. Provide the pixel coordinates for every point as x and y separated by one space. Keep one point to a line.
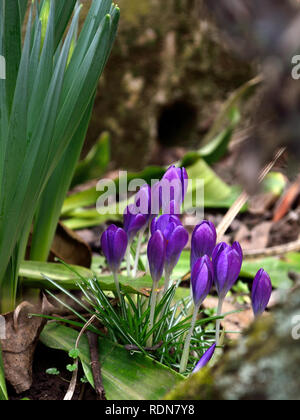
165 82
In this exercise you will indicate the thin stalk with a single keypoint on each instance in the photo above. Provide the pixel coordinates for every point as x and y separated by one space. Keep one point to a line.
218 323
148 239
166 285
138 251
117 283
167 281
152 311
128 255
186 350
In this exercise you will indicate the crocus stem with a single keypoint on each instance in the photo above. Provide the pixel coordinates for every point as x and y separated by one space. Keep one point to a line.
218 323
152 311
148 239
128 255
167 281
138 251
186 350
117 286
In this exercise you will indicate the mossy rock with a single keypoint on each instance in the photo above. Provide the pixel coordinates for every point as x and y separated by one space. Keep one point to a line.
167 75
263 365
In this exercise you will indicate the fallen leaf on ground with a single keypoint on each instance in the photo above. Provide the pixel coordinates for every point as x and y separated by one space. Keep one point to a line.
22 334
236 322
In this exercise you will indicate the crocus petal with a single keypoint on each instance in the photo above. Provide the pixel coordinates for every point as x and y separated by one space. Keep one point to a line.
202 279
114 243
120 246
166 224
156 255
175 245
261 292
133 222
176 181
227 262
205 359
203 241
143 200
184 181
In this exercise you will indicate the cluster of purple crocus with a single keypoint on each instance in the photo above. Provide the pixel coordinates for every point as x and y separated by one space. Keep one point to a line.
211 263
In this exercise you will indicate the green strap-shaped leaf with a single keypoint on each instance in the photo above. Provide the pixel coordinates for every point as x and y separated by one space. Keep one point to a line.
12 42
54 194
125 376
36 273
22 9
63 12
3 391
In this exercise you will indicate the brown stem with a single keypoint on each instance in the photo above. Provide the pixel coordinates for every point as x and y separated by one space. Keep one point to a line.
132 347
95 364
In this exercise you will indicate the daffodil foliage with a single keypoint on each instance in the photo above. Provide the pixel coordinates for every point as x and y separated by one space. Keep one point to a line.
53 66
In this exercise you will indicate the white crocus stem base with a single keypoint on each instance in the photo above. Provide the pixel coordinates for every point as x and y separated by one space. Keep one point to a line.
186 350
152 312
218 323
128 257
138 251
167 281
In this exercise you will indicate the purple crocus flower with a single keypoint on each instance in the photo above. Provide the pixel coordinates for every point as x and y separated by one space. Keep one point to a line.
205 359
204 240
157 255
143 201
202 278
261 292
227 262
134 221
114 244
172 189
176 238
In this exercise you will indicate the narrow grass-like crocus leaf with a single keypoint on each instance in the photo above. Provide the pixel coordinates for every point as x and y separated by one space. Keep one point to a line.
126 376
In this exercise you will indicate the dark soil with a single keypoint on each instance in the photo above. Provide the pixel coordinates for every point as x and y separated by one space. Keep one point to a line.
48 387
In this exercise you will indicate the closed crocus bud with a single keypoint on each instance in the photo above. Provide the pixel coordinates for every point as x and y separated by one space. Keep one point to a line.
203 241
261 292
143 201
157 255
174 185
166 224
114 243
176 236
202 278
133 221
205 359
227 262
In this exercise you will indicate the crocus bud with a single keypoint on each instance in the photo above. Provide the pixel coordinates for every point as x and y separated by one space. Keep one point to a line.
143 201
176 237
173 188
205 359
114 244
166 224
261 292
227 262
202 278
204 240
133 221
157 255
